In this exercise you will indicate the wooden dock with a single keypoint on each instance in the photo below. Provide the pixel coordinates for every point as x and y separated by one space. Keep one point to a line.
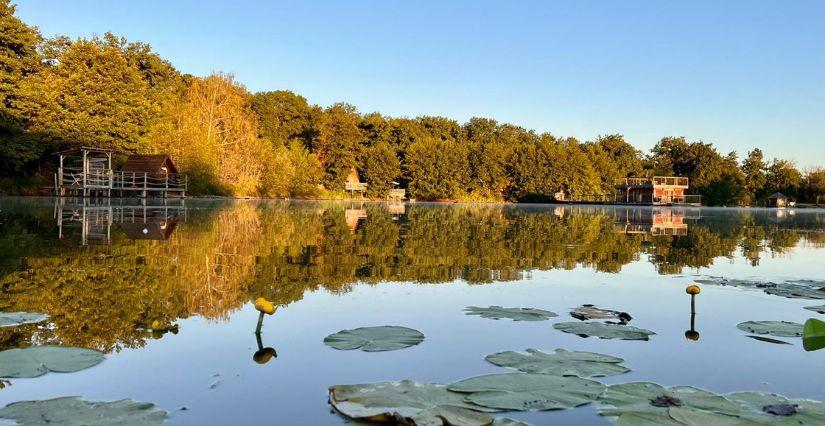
88 172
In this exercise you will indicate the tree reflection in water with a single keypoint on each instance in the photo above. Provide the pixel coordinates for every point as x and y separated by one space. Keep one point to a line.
225 254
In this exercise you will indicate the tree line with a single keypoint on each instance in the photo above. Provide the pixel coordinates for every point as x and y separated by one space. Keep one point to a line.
107 92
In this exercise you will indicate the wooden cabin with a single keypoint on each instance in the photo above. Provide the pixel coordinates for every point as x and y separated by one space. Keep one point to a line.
778 200
353 183
655 191
87 171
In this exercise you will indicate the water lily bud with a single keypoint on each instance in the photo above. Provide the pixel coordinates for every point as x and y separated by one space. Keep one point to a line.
693 290
264 355
264 306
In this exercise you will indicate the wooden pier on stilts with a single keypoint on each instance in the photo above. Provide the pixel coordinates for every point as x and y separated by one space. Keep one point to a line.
88 172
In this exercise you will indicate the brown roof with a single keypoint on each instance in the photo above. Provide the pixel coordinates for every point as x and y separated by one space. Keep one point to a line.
777 195
149 163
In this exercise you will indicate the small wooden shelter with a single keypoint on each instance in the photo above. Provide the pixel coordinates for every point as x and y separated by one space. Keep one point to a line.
353 183
88 171
778 200
655 191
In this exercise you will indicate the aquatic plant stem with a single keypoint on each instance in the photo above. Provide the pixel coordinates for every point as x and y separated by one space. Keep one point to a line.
260 323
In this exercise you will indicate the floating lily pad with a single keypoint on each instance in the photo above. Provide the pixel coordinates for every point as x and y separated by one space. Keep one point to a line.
797 291
74 411
813 335
768 408
772 328
445 415
506 421
13 319
38 360
604 331
389 401
523 391
515 314
651 398
819 308
375 339
591 312
560 363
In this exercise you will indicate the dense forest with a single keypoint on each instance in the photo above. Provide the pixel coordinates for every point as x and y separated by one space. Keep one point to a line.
104 91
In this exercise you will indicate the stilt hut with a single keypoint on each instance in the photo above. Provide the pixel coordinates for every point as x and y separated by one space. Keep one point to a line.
778 200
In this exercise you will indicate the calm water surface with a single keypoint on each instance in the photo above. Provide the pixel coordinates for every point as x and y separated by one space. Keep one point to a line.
104 273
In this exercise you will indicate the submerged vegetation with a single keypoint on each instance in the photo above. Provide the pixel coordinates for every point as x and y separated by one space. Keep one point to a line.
108 92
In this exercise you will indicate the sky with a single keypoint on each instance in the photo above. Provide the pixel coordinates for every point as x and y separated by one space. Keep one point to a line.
737 73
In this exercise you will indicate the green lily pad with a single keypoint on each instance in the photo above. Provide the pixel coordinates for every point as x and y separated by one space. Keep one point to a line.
590 312
560 363
753 407
74 411
445 415
772 328
604 331
13 319
644 397
813 335
818 308
506 421
375 339
38 360
389 401
797 291
523 391
515 314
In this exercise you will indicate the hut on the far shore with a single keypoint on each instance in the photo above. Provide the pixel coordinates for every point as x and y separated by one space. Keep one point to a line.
778 200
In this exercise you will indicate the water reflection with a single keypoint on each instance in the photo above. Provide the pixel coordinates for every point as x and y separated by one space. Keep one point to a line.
105 273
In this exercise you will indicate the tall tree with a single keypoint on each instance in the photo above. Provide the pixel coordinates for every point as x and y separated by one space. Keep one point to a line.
284 117
753 169
784 177
379 166
336 142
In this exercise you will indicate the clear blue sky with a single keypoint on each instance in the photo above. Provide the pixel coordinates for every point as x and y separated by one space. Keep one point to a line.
738 74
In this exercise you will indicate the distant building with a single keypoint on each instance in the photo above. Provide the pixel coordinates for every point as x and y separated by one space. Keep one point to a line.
353 183
655 191
778 200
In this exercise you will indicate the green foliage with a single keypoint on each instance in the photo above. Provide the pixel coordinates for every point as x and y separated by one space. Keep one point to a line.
437 169
18 52
336 143
379 167
284 117
783 176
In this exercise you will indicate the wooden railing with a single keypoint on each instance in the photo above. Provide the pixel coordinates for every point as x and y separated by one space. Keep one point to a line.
355 186
654 181
75 178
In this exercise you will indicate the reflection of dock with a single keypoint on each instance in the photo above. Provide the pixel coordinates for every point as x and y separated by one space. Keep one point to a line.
656 222
96 217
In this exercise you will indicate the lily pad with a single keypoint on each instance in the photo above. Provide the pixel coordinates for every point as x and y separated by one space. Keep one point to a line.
604 331
445 415
818 308
38 360
591 312
643 397
767 408
772 328
560 363
813 335
389 401
506 421
74 411
375 339
13 319
523 391
515 314
797 291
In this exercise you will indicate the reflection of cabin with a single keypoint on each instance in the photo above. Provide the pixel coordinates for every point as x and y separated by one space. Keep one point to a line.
656 191
354 216
778 200
656 221
95 218
87 171
353 183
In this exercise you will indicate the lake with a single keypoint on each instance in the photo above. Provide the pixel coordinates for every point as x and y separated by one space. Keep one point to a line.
104 271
